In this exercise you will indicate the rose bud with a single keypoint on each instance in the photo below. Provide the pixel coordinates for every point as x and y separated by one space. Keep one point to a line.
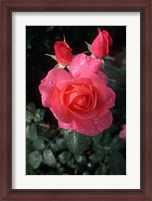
63 53
100 45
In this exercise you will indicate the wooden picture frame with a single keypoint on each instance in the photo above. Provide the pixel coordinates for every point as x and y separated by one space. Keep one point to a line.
9 6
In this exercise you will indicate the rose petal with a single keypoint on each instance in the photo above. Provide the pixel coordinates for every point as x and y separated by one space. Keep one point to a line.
59 110
108 37
111 96
83 63
77 94
102 106
63 84
89 127
47 85
103 77
106 96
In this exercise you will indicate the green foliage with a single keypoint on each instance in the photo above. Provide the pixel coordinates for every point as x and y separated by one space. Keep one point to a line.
77 143
51 151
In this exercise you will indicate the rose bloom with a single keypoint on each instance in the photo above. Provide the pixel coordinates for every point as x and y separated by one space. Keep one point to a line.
79 99
122 134
100 45
63 53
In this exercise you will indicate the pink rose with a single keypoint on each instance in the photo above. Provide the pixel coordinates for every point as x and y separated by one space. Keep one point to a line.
122 134
63 53
80 99
100 45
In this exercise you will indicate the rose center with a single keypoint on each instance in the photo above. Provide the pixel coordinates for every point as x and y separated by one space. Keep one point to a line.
80 97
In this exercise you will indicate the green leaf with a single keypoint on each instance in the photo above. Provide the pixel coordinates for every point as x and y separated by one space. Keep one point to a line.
39 144
50 133
77 143
64 157
96 157
35 159
88 46
31 107
112 128
117 143
104 142
54 147
61 143
49 158
31 132
111 71
71 163
97 139
29 116
108 57
80 159
101 170
117 163
106 159
52 56
39 115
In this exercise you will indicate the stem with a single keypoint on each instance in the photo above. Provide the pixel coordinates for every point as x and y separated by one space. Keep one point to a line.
43 125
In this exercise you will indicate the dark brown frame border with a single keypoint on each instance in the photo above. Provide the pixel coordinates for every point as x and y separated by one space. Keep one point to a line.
9 6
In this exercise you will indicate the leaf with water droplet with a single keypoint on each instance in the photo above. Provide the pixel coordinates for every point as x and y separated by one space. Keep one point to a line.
39 144
64 157
39 115
35 159
30 110
31 132
98 156
49 158
76 142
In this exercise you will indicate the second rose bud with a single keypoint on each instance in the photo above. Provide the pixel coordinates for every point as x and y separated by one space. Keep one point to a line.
101 44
